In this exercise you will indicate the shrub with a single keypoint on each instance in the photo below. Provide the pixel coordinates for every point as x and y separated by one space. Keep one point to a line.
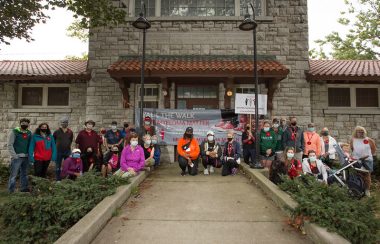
51 208
4 173
331 207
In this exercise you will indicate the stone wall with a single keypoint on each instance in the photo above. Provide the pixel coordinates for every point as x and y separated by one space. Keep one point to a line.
10 114
341 122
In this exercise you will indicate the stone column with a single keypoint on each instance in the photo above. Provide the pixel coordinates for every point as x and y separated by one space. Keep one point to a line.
222 93
172 95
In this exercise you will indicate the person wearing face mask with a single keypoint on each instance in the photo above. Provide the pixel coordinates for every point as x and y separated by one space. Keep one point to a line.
89 138
293 137
90 160
248 141
283 124
313 166
42 150
132 158
113 137
312 141
211 152
327 147
18 145
231 156
268 144
111 162
188 153
72 167
363 149
148 151
277 129
293 165
147 128
63 139
157 151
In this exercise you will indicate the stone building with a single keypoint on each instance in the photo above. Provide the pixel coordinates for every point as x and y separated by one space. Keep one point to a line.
197 58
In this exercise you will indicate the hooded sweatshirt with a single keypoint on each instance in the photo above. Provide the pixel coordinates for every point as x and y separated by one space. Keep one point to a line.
132 159
42 148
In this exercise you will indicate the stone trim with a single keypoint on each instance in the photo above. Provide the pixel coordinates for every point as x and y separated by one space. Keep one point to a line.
41 110
363 111
203 18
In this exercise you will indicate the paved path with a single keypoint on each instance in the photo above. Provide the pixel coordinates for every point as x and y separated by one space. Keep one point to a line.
198 209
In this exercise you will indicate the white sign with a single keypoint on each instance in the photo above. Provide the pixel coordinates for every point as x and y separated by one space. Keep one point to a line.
245 104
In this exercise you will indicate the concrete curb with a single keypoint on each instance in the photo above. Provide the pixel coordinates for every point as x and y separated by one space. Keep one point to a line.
87 228
315 233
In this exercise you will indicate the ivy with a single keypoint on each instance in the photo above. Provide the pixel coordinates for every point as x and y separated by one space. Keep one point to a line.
332 207
52 208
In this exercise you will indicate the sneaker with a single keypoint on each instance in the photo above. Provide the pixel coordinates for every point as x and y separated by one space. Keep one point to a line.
211 170
205 172
367 193
228 126
220 124
183 173
234 171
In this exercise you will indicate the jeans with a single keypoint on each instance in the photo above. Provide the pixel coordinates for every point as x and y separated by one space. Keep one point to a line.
61 155
228 166
40 168
18 165
249 153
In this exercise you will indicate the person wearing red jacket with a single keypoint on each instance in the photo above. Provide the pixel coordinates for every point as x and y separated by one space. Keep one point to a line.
188 153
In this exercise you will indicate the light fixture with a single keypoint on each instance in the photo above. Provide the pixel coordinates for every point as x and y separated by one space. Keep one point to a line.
229 93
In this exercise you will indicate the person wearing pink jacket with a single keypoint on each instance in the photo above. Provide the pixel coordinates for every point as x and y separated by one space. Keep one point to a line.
312 141
132 158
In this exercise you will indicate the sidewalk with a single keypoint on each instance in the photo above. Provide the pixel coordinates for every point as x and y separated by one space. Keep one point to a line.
201 209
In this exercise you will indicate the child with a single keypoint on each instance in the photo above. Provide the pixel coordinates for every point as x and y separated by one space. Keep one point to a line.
111 161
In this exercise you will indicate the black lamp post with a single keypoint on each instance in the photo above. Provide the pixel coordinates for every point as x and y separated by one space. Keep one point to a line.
143 24
249 24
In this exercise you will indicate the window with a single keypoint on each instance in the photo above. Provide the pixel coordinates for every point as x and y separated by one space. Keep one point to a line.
367 97
197 92
339 97
245 90
151 96
259 6
44 95
353 96
197 7
150 6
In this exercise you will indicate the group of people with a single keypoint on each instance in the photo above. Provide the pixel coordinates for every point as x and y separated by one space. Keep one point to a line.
126 152
112 152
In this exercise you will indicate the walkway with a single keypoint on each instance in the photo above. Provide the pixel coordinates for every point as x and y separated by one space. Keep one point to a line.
202 209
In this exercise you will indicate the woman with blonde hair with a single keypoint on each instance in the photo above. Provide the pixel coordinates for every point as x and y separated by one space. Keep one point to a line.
363 149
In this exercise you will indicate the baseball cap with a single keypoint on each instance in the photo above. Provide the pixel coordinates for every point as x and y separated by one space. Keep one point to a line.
210 132
189 130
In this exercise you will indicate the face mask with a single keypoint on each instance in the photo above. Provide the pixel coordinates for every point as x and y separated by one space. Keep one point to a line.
293 123
76 155
325 133
134 143
312 158
43 130
113 127
154 141
24 127
311 129
126 126
147 123
188 135
290 155
64 125
229 139
148 142
266 129
89 126
210 138
276 125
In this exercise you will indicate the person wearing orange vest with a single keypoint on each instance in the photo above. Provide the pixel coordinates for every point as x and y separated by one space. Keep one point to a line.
312 141
188 153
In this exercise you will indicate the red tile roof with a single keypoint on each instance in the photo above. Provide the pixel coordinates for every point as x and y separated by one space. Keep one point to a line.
196 64
44 70
368 70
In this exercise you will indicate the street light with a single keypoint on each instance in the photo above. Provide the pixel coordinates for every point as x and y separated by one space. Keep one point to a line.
249 24
143 24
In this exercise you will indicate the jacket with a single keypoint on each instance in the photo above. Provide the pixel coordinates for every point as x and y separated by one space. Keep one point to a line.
216 148
42 148
18 142
132 159
236 148
331 150
312 142
267 141
322 173
293 138
193 149
71 166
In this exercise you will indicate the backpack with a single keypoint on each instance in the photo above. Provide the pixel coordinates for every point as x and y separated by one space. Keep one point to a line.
355 185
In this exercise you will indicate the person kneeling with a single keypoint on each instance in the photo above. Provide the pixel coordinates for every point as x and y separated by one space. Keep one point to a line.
148 151
72 166
211 152
188 153
111 161
231 156
314 166
132 158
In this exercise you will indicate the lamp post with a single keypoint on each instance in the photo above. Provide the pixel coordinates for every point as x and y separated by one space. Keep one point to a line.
143 24
249 24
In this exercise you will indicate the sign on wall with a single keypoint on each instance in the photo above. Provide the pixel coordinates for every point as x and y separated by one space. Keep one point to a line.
171 123
245 103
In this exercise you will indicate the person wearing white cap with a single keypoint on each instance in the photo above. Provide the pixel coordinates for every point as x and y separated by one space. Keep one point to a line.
72 166
211 152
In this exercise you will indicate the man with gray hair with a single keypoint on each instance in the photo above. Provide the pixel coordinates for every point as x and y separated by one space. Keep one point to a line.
63 138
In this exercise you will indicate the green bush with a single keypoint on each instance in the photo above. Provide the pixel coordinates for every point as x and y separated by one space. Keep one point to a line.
331 207
52 208
4 173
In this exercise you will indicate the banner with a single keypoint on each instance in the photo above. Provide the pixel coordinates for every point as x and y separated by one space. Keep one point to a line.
245 104
171 124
